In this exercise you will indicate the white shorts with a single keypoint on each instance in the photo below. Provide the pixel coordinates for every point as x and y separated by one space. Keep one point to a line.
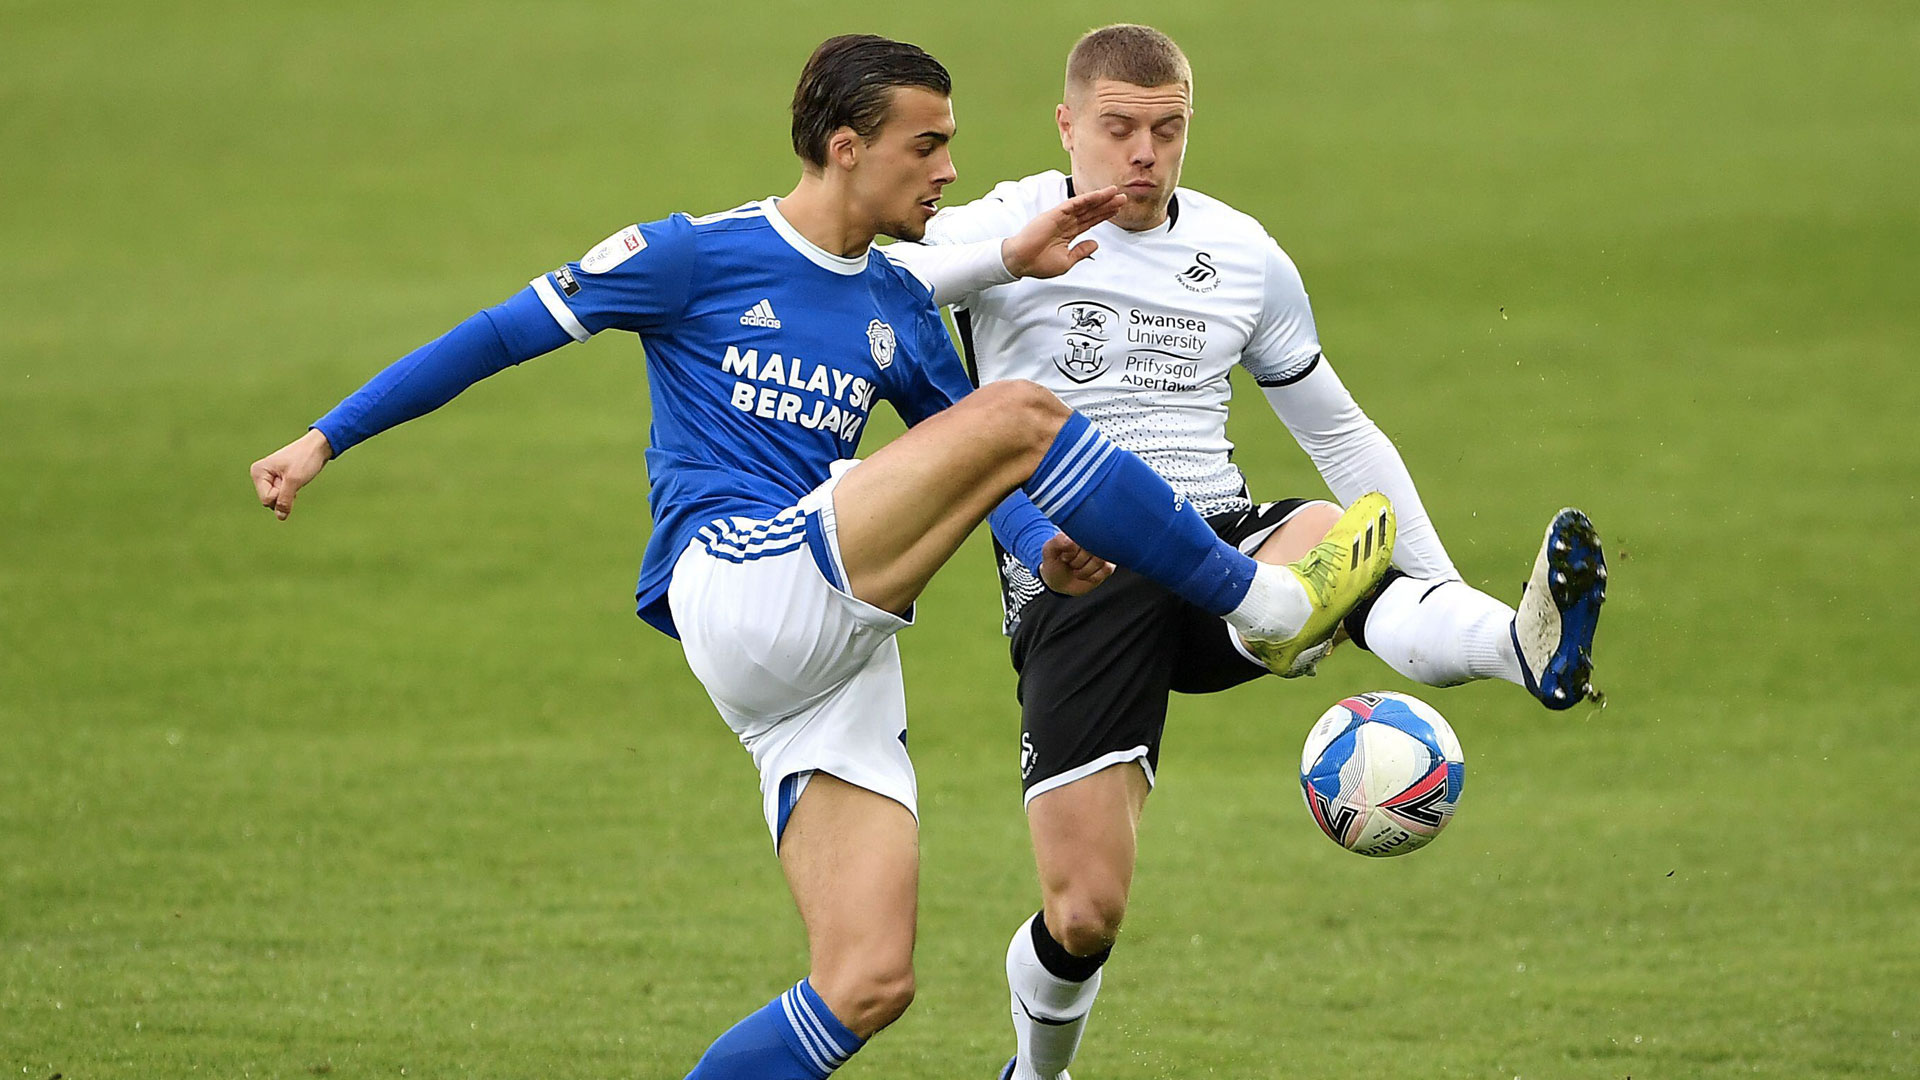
805 674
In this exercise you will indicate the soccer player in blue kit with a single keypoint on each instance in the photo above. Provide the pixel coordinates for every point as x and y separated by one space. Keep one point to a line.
783 564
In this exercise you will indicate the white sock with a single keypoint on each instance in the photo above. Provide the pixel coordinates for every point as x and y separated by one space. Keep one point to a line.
1044 1050
1443 633
1276 605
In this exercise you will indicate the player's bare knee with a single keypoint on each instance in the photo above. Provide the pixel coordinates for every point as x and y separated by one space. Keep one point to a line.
867 988
877 998
1041 412
1023 415
1087 922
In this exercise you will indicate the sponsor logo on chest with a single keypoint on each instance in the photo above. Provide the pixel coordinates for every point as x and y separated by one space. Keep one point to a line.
789 390
1144 349
1088 325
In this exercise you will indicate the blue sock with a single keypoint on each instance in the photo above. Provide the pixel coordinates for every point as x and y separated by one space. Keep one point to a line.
1113 503
793 1037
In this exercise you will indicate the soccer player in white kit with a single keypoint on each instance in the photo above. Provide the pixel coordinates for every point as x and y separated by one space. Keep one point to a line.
1141 340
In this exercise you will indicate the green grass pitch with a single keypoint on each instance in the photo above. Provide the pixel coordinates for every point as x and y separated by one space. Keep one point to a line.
402 788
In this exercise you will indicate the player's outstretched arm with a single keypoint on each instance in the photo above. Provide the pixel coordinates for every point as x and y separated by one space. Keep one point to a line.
1354 457
279 476
1043 247
1352 454
412 386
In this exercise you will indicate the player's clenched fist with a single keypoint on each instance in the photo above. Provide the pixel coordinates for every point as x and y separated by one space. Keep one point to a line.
1066 567
281 474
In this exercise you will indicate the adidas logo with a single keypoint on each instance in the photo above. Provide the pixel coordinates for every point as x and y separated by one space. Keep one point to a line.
761 314
1364 543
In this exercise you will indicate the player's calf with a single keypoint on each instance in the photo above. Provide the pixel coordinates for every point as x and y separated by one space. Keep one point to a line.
1292 541
868 997
793 1037
1052 995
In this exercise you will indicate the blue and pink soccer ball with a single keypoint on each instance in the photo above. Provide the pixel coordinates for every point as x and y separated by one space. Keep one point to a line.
1381 773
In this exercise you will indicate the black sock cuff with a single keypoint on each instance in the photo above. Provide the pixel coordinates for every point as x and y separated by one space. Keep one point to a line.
1356 620
1060 963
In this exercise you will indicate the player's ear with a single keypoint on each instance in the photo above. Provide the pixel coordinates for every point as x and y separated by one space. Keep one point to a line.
843 147
1063 119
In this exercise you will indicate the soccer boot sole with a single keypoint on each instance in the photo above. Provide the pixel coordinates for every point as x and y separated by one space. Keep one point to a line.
1559 613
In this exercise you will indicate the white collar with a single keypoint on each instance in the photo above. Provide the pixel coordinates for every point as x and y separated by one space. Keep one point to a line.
817 255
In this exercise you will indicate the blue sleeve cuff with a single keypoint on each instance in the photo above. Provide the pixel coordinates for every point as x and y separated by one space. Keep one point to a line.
1021 529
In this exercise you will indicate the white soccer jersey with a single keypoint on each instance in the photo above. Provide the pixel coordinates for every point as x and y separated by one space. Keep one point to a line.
1141 338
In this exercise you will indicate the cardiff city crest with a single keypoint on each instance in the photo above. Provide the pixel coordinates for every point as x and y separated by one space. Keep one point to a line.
880 338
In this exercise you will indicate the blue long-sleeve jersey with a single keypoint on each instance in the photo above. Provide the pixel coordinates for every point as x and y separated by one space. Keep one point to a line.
764 354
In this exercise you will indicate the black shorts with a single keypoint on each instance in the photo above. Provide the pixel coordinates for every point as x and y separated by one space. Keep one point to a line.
1095 670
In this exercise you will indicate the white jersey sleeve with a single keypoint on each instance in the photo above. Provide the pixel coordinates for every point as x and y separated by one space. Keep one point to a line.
1354 457
1285 341
993 216
952 272
960 255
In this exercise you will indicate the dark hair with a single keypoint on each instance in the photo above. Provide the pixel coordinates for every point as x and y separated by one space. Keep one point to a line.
1128 53
849 82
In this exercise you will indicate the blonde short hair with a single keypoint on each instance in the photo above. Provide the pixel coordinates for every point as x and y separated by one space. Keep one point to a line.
1129 53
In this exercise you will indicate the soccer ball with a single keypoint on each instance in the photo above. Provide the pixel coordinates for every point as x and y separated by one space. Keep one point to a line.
1381 773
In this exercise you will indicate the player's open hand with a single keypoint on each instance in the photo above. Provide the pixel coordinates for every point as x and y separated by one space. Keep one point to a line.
1066 567
1045 247
281 474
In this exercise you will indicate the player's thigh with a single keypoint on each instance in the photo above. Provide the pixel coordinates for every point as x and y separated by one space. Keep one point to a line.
1085 838
1303 528
852 860
903 512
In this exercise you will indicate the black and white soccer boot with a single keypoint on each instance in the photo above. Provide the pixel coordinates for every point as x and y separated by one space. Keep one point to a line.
1305 665
1560 611
1006 1073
